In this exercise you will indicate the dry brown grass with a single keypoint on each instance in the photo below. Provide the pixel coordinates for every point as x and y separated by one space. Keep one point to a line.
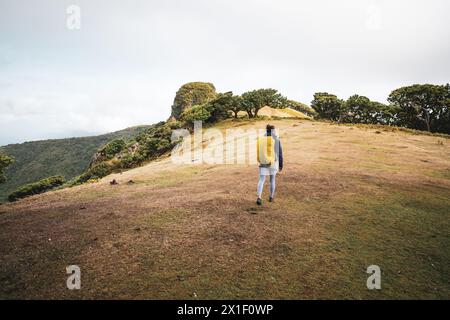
278 113
348 198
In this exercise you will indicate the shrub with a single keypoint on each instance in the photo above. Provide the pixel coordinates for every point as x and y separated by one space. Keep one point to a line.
152 145
163 146
113 147
5 161
41 186
148 145
98 171
195 113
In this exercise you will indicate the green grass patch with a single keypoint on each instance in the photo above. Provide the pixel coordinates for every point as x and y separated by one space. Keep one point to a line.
404 231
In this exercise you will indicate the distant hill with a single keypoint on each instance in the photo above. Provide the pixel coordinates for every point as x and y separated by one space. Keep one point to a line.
68 157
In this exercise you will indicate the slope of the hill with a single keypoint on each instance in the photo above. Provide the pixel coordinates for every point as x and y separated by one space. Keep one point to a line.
68 157
348 198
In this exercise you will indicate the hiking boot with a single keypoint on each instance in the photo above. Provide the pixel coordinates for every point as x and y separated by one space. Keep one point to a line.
259 201
271 199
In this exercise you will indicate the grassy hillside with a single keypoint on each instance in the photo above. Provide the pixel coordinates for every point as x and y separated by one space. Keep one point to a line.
68 157
349 197
278 113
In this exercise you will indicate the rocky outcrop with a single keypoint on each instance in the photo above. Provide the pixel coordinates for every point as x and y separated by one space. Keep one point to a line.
190 94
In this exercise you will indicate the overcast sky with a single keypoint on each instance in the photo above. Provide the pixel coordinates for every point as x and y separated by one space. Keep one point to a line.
124 64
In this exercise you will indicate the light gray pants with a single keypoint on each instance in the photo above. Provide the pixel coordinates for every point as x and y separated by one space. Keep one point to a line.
262 179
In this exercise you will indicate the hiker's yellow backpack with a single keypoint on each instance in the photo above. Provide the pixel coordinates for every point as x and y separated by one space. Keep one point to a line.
266 150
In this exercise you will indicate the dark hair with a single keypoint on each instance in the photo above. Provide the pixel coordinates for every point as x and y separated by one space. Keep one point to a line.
269 128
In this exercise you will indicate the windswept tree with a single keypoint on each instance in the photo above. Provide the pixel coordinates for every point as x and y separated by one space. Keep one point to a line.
383 114
236 105
253 101
423 106
358 109
5 161
443 125
219 106
191 94
361 110
328 106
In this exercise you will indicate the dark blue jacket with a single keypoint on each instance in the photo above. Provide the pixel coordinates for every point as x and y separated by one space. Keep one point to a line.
278 150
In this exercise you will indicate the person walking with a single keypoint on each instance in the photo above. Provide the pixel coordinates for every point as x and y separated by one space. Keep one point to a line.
270 159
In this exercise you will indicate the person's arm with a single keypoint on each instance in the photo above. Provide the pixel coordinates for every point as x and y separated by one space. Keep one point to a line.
280 156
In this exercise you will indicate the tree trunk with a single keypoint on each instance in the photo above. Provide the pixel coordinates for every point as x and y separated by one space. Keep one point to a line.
256 112
427 120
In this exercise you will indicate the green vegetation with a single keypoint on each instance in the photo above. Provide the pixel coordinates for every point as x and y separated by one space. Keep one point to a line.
191 94
328 106
421 107
95 172
36 187
195 113
236 105
118 155
222 106
217 109
5 161
254 100
360 109
109 150
67 157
